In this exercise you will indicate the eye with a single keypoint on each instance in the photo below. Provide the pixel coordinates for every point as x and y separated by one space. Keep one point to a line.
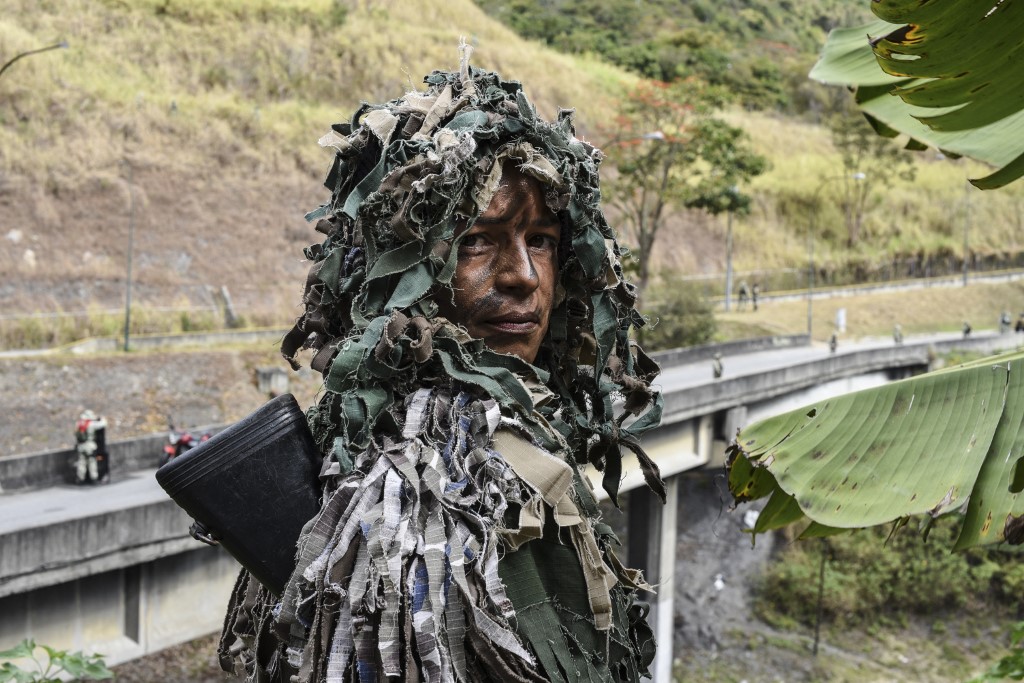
472 242
547 242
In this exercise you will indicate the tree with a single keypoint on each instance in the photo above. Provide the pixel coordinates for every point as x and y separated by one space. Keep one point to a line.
672 153
868 160
681 316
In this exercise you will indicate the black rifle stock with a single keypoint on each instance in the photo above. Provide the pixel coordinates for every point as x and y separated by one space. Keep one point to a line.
253 487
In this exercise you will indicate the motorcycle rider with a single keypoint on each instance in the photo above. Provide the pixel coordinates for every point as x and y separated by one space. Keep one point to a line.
180 441
90 444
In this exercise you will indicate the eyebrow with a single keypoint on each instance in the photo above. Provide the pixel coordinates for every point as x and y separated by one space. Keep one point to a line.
541 222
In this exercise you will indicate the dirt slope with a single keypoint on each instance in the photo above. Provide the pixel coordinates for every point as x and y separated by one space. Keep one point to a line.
41 397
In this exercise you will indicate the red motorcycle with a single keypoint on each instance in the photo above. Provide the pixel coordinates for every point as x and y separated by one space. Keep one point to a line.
179 441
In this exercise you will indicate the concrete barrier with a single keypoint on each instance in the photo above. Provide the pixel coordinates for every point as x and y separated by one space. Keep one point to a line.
703 352
749 389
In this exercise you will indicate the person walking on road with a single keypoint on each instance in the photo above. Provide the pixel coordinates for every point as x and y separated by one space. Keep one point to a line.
744 295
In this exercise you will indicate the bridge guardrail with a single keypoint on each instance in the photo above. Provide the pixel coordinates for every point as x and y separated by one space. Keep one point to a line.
52 468
696 354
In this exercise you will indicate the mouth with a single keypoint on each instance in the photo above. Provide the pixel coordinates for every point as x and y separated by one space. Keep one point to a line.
524 322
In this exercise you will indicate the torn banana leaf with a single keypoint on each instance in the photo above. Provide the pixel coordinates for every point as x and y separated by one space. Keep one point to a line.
953 67
946 441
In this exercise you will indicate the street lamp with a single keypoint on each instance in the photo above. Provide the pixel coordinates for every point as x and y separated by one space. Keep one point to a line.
810 241
732 193
62 45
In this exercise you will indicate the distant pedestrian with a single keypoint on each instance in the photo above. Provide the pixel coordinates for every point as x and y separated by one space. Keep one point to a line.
1004 322
966 329
897 334
744 295
1019 327
91 448
833 342
755 291
716 365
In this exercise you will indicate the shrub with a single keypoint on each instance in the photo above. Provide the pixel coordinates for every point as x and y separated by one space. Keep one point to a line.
58 666
868 578
679 316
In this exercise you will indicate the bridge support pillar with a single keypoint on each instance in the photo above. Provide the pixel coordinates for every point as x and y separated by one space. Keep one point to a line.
652 547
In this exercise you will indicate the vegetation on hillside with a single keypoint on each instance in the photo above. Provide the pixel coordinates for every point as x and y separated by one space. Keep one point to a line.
759 49
205 114
237 85
872 578
761 53
870 584
194 122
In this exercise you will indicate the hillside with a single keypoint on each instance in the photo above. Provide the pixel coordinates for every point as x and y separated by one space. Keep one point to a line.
759 49
191 125
211 111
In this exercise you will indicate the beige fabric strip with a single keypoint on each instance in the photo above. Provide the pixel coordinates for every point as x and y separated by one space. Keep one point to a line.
552 478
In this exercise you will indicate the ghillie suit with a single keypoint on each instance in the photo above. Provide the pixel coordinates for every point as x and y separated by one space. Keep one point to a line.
457 539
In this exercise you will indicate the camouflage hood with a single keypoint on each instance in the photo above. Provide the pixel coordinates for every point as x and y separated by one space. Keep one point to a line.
406 175
458 539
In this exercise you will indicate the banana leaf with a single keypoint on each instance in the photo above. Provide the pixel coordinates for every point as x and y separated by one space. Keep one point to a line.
948 441
954 68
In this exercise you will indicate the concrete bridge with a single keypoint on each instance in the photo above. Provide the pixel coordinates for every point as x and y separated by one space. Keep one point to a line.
113 570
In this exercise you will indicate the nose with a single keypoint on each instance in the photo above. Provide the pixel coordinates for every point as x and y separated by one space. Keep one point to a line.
515 269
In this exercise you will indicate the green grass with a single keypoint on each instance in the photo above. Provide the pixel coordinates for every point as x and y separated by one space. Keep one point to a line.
57 329
247 78
938 309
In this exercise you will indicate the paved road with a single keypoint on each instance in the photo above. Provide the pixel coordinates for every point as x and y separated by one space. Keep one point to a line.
696 374
49 506
20 510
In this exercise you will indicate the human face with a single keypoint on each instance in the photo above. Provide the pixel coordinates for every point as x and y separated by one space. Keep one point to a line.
504 284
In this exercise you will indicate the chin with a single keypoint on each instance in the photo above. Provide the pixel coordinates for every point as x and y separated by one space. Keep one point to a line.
520 351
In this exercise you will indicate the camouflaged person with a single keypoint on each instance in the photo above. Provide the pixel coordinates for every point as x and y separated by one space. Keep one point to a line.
468 311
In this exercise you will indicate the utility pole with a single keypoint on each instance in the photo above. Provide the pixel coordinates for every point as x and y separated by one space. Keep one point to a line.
128 274
733 194
728 261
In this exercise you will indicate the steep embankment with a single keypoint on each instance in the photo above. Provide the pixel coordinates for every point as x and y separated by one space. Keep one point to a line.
192 126
195 123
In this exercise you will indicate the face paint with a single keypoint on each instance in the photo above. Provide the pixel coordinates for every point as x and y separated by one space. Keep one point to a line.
504 285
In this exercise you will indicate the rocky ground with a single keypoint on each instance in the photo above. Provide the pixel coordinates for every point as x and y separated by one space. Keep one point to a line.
138 392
